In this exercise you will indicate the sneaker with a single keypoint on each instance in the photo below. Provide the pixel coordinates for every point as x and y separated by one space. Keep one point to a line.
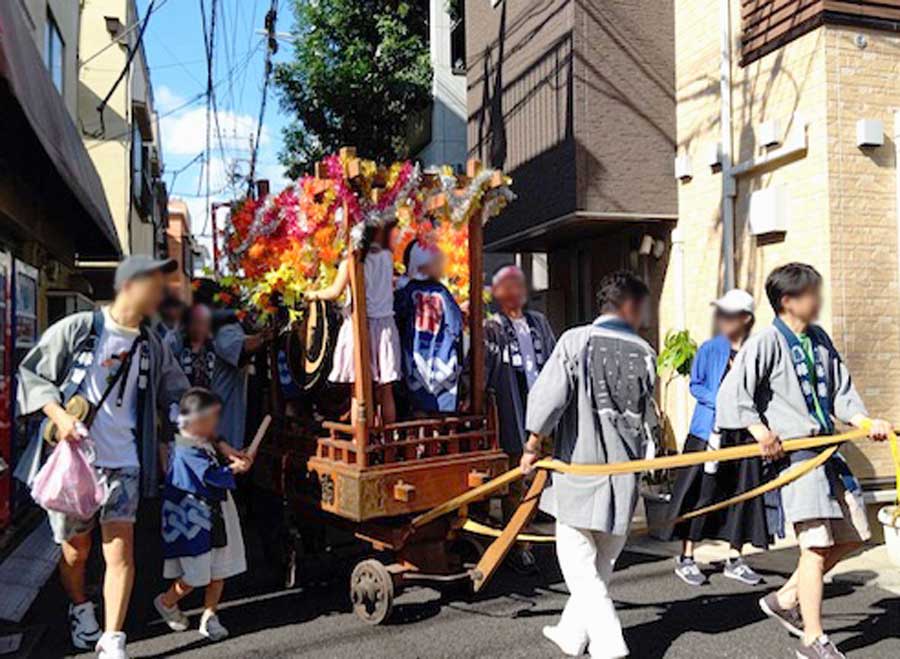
173 617
211 628
85 629
686 570
111 646
566 645
790 619
821 648
738 570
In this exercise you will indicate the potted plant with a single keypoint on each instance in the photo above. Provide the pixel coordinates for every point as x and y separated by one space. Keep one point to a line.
889 516
674 361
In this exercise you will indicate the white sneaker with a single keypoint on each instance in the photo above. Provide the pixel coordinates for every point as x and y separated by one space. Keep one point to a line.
111 646
211 628
83 621
173 617
567 645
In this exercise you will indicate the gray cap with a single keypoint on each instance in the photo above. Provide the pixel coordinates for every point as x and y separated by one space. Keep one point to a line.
140 265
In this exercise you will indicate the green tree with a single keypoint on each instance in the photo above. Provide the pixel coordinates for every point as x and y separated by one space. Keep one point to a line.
361 70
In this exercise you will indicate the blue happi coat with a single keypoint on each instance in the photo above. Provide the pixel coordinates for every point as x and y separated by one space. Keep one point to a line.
195 484
431 325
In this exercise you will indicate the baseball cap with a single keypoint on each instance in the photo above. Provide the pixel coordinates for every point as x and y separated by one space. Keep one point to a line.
140 265
735 301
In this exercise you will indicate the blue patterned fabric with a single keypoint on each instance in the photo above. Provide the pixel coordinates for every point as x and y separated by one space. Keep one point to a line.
195 484
431 325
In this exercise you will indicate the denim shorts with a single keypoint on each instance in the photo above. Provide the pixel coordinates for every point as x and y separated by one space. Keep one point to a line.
124 494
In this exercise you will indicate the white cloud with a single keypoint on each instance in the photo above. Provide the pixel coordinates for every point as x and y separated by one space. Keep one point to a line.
184 133
166 99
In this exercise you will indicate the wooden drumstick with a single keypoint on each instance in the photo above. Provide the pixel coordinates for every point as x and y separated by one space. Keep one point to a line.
260 434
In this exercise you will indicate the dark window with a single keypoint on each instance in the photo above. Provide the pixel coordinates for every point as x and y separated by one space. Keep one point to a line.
458 37
54 53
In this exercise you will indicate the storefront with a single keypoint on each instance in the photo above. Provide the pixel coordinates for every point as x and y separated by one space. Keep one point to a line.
53 211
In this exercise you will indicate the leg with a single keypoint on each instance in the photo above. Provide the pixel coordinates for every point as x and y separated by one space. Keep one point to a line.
787 594
177 592
687 549
604 629
118 552
73 565
213 595
810 571
385 395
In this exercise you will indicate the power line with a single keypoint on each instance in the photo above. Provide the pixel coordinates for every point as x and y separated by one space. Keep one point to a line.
128 31
137 46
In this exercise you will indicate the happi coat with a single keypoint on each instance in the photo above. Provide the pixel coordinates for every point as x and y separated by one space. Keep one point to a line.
196 485
763 387
53 370
430 324
505 374
595 397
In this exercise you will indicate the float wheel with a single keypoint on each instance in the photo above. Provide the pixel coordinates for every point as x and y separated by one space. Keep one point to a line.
372 591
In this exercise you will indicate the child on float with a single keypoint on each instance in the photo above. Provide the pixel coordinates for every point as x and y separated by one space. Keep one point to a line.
703 485
384 342
431 333
201 531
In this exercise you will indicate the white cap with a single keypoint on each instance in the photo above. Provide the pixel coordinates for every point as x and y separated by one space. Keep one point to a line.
735 301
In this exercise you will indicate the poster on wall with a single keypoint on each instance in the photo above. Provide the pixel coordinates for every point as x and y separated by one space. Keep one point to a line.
26 305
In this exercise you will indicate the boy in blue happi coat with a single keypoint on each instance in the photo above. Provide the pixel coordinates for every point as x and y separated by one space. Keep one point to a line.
201 530
431 327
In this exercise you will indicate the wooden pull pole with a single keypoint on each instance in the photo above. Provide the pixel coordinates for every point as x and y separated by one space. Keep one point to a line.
260 435
500 547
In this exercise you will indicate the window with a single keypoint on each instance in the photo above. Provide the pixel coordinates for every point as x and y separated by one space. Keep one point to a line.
137 161
54 53
458 38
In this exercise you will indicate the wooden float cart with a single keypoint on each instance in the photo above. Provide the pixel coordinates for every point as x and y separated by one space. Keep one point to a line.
376 475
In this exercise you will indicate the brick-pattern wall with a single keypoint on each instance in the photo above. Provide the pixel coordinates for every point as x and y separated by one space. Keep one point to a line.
842 210
863 83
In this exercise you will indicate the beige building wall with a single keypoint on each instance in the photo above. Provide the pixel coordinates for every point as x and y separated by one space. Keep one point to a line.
841 198
110 142
66 13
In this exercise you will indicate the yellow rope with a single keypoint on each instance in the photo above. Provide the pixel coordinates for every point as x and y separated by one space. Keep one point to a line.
785 478
634 466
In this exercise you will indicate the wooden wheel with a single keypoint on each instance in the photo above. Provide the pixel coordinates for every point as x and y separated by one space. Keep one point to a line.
372 591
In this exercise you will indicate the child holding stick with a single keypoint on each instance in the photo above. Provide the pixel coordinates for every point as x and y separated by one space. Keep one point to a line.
203 544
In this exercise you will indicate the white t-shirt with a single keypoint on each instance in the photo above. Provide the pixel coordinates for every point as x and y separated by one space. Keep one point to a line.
114 424
526 349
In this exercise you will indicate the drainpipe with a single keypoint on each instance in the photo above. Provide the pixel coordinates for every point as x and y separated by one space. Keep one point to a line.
678 274
729 188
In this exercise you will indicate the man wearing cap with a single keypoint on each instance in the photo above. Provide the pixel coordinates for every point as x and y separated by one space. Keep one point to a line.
113 360
703 485
518 342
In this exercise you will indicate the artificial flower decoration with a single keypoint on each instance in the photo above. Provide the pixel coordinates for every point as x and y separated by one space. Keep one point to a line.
284 245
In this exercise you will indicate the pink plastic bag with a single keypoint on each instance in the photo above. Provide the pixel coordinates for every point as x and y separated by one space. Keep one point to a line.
67 483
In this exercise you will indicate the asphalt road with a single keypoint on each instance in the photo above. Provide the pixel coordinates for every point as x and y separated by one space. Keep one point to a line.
662 617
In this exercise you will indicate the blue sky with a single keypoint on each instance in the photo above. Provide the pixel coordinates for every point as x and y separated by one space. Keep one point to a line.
175 54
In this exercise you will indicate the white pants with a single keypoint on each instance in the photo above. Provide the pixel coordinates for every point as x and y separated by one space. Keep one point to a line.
586 559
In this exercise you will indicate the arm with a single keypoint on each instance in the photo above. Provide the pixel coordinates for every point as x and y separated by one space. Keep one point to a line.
220 477
171 385
337 287
700 389
848 405
548 400
736 402
41 372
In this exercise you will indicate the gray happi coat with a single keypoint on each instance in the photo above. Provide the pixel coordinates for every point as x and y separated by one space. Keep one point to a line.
762 387
508 382
595 395
43 373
